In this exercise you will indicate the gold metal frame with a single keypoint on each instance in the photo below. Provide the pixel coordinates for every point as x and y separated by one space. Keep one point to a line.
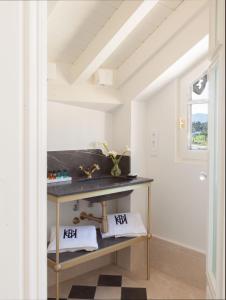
57 251
95 254
57 266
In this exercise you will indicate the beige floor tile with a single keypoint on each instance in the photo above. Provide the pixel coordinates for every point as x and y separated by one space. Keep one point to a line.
108 293
86 279
65 288
160 285
129 282
163 286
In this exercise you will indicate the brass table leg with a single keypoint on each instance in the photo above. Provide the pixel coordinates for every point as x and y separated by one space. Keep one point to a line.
115 258
104 224
57 285
57 250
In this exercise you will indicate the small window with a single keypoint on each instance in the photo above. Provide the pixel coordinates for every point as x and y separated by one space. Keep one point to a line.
198 114
192 114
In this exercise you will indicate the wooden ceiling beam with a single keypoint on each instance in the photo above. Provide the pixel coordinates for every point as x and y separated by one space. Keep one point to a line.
120 25
169 28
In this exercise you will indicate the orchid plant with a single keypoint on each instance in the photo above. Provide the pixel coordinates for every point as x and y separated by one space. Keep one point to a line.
115 157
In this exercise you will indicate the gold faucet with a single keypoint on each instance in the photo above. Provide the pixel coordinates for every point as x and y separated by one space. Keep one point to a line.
89 171
102 220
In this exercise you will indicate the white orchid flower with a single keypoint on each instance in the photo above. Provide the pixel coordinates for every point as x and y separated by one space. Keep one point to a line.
128 149
105 149
112 153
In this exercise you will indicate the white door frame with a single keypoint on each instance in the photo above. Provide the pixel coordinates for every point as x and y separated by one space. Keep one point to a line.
216 282
35 148
35 204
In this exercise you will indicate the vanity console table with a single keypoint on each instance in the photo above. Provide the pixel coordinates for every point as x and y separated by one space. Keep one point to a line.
95 190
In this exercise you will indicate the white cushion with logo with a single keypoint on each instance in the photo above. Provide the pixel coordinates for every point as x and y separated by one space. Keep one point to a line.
74 238
125 224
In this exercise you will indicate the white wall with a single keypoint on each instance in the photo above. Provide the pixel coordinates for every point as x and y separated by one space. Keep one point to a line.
169 219
121 126
71 127
179 198
129 127
139 154
11 158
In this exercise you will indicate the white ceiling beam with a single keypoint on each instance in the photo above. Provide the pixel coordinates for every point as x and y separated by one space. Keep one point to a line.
84 95
190 58
180 44
121 24
173 24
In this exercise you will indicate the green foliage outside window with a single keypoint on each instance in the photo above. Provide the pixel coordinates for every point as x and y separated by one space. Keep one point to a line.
199 133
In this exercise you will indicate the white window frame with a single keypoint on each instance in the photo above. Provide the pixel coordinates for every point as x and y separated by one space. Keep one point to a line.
183 115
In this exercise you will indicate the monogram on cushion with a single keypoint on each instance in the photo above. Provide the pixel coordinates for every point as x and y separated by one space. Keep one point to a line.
74 238
125 224
120 219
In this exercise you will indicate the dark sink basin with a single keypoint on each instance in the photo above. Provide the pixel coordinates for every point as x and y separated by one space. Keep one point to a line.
108 197
106 180
84 185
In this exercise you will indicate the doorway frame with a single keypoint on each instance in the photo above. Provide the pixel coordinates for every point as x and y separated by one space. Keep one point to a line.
34 89
35 203
216 284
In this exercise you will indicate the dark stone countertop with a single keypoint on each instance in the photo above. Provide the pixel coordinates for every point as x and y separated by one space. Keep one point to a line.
79 186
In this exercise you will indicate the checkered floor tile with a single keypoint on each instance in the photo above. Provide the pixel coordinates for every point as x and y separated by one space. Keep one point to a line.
109 287
110 280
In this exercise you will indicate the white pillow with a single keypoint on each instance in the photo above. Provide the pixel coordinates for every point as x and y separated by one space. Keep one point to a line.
74 238
125 224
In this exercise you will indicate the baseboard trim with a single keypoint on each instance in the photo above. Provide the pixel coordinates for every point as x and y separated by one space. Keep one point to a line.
180 262
179 244
210 288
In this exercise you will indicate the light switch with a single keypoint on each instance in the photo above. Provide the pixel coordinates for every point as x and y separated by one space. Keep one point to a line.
154 143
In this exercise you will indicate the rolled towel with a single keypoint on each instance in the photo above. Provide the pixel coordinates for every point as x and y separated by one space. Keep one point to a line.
74 238
125 225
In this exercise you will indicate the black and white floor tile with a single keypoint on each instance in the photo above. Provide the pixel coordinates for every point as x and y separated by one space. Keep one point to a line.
107 287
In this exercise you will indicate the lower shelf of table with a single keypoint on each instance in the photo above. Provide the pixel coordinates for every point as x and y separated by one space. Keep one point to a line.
106 246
